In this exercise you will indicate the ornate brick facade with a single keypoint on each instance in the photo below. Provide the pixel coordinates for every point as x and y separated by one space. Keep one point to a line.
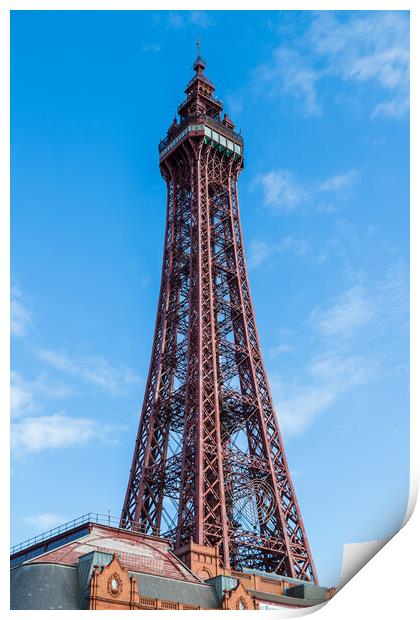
94 566
111 587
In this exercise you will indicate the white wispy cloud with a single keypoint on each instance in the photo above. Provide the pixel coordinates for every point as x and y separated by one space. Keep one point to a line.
330 375
370 48
352 310
35 434
298 247
278 350
283 191
201 18
20 316
44 521
95 370
333 368
260 250
26 396
377 306
288 73
175 20
346 355
297 406
22 397
180 19
392 295
392 109
33 430
339 182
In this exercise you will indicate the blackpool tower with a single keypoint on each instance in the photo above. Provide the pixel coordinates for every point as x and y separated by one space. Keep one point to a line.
209 466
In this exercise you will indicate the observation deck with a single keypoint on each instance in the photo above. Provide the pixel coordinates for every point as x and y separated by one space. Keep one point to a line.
213 130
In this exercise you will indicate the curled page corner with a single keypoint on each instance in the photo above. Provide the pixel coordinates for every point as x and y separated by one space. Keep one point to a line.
412 496
356 556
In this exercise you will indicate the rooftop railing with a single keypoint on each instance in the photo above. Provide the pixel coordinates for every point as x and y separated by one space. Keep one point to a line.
90 517
201 118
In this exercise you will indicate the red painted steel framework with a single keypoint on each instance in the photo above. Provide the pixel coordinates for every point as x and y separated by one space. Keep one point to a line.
209 463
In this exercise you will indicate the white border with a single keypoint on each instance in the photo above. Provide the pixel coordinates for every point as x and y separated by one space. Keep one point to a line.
385 587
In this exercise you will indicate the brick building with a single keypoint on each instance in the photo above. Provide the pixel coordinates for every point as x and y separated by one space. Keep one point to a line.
91 564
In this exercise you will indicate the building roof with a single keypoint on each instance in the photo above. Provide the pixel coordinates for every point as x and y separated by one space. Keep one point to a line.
45 586
56 575
283 600
39 585
139 553
200 594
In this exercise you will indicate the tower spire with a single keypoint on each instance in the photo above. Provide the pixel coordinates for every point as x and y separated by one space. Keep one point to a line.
199 64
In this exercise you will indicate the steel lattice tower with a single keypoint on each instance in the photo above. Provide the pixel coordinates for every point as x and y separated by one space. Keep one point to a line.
209 464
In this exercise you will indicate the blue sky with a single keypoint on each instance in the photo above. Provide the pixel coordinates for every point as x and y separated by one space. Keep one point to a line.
322 102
